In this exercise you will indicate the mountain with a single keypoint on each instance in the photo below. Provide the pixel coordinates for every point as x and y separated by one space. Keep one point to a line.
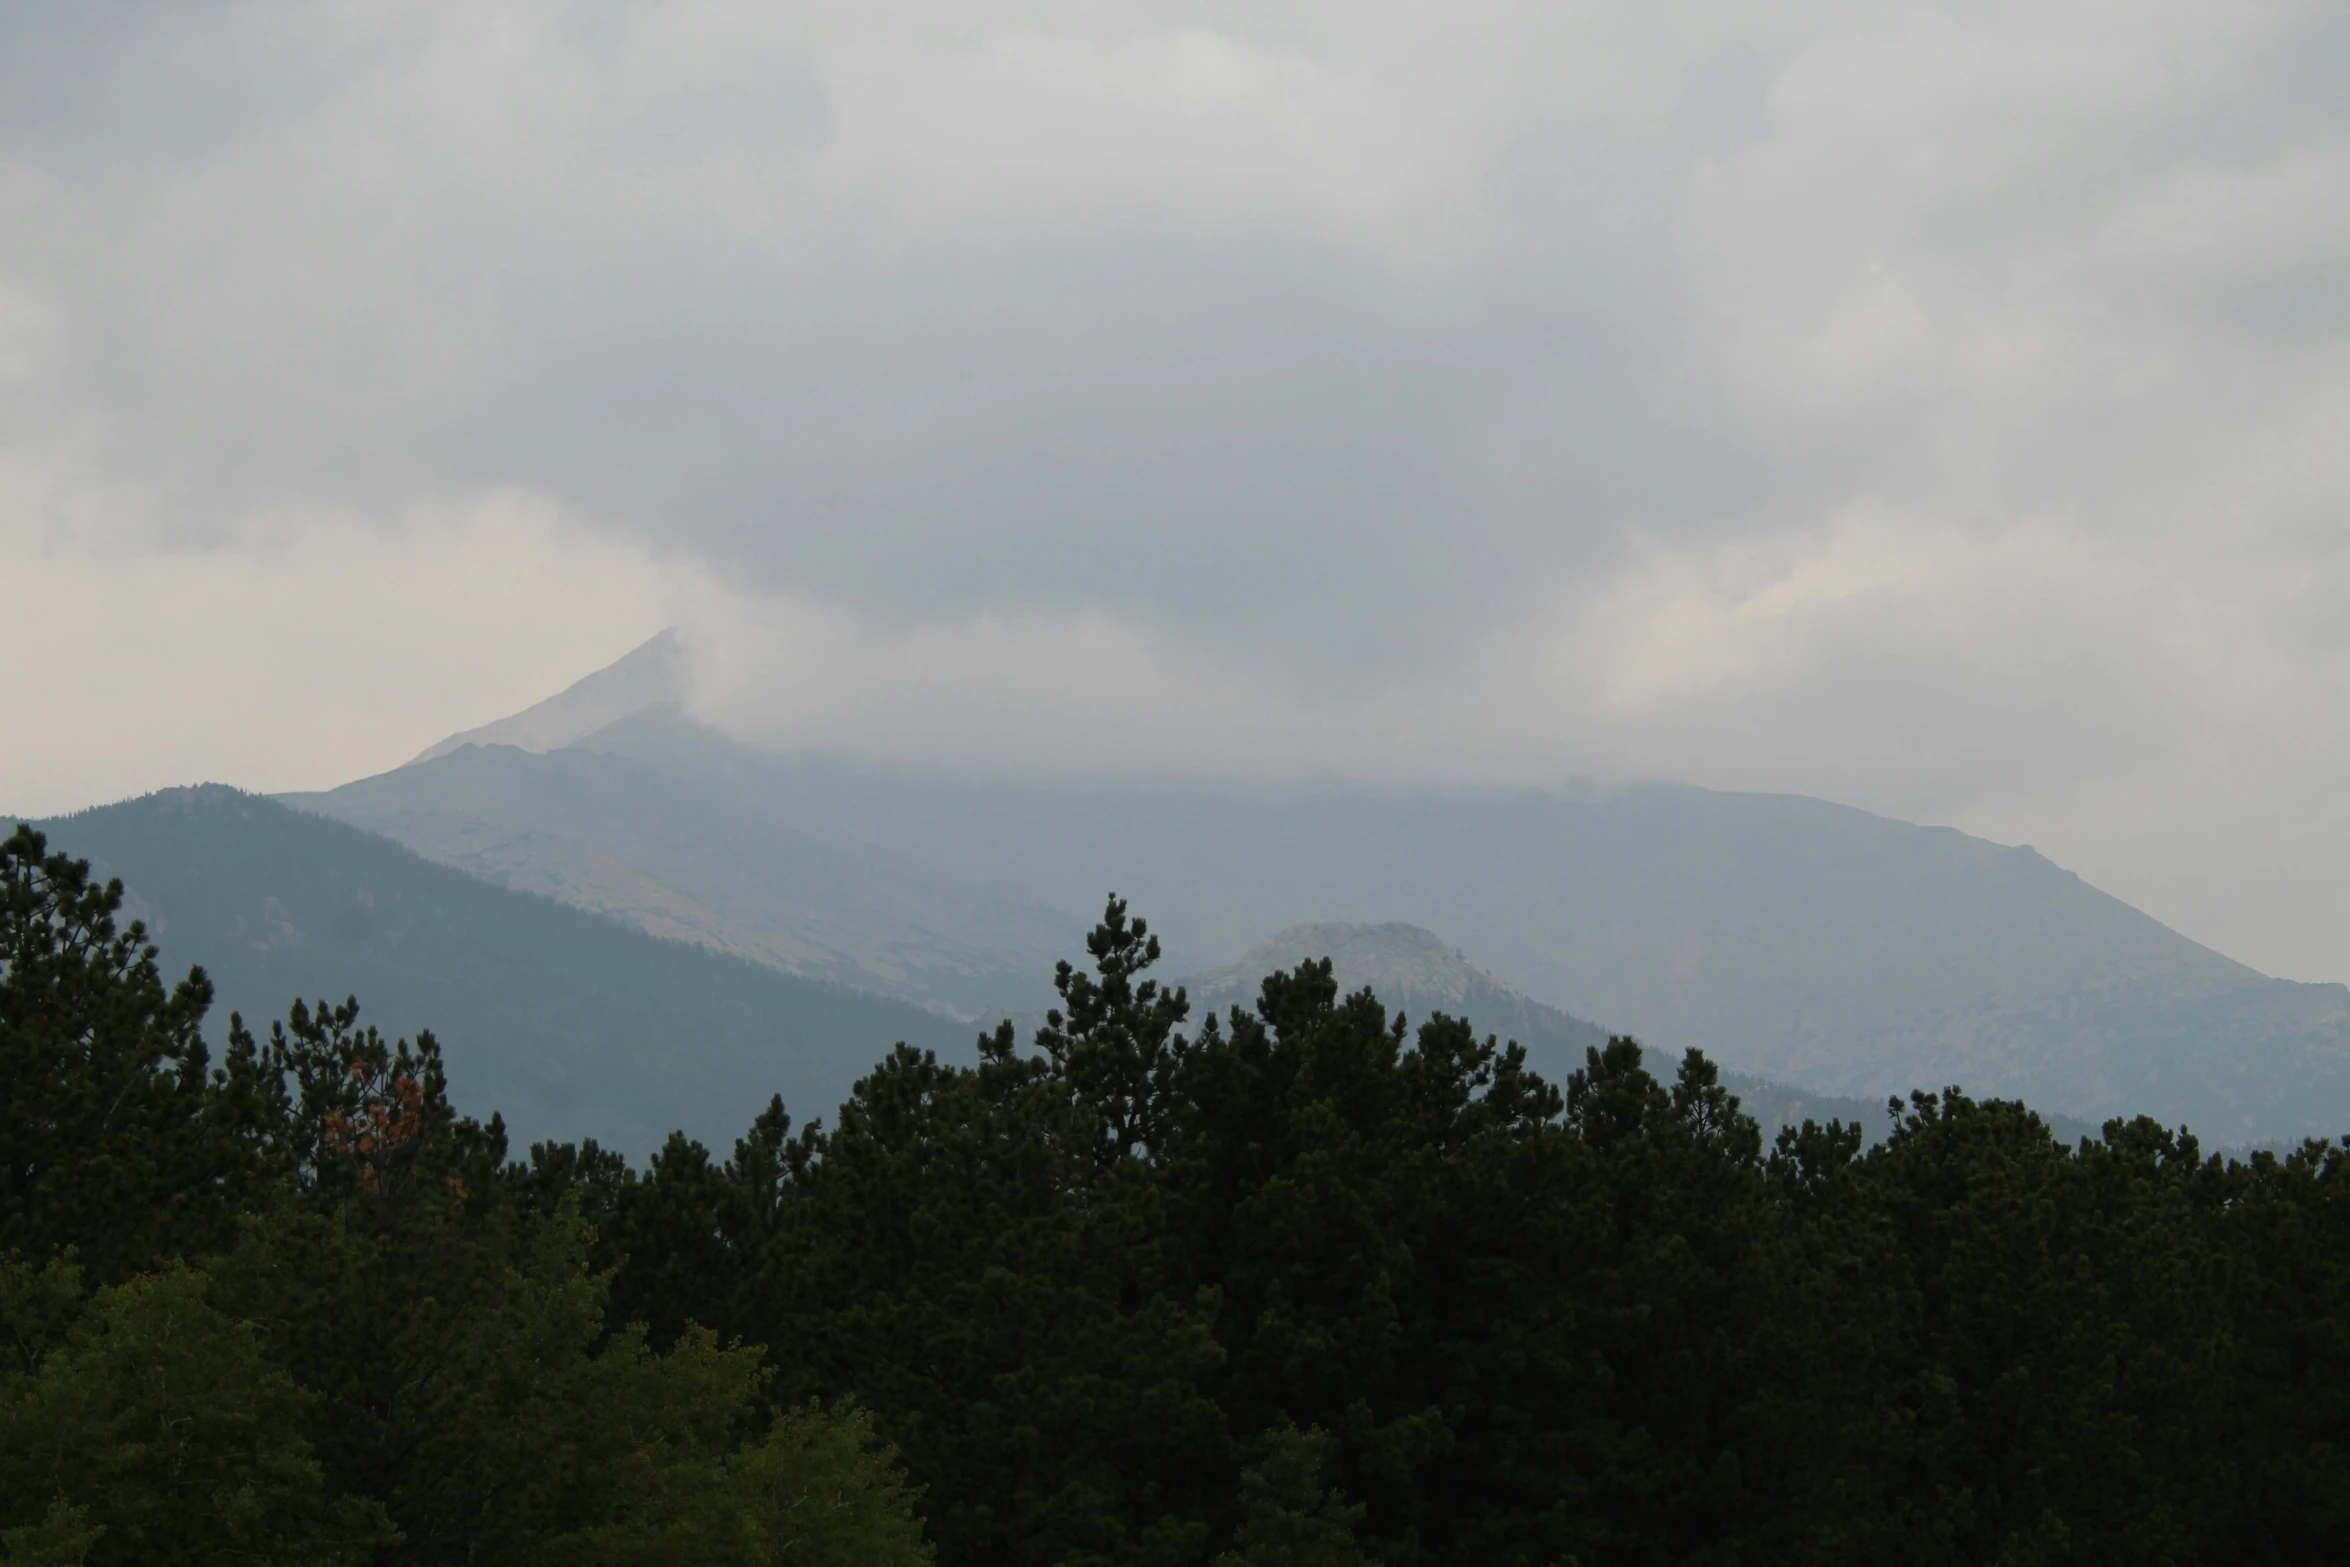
569 1024
1415 972
677 844
1791 939
654 675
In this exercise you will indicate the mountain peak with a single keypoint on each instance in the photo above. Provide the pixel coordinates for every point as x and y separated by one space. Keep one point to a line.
1393 959
655 674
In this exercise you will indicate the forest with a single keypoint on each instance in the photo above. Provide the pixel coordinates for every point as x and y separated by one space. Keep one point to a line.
1309 1283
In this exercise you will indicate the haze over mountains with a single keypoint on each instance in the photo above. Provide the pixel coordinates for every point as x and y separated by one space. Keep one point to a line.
1790 938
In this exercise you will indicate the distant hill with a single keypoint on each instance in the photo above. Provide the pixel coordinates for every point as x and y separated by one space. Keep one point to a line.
1791 939
570 1024
1414 972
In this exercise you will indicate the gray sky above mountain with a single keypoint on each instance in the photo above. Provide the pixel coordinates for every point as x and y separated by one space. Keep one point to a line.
1937 410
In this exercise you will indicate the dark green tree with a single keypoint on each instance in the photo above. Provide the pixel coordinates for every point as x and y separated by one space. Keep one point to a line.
955 1255
1288 1517
156 1430
113 1139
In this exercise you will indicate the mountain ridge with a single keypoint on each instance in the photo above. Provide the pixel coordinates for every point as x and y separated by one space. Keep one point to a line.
1792 939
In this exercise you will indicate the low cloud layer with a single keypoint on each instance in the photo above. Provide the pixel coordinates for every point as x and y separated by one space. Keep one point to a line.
1940 411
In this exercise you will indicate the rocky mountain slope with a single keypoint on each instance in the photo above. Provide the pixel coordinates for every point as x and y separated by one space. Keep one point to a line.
1790 938
685 854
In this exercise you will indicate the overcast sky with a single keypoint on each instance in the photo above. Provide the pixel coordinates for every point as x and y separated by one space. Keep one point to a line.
1942 411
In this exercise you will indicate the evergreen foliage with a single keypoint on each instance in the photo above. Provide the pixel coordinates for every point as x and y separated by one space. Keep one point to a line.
1298 1286
106 1139
294 1309
1304 1284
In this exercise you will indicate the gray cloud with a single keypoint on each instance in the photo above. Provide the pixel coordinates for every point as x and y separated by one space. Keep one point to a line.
1940 410
1206 326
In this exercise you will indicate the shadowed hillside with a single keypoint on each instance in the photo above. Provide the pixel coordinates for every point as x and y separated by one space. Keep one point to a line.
568 1024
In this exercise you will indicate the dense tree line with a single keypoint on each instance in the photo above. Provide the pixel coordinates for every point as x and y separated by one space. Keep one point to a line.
289 1308
1298 1285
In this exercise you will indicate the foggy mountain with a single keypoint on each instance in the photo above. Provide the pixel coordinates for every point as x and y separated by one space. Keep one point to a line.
573 1026
650 676
1414 972
568 1024
668 826
1792 939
